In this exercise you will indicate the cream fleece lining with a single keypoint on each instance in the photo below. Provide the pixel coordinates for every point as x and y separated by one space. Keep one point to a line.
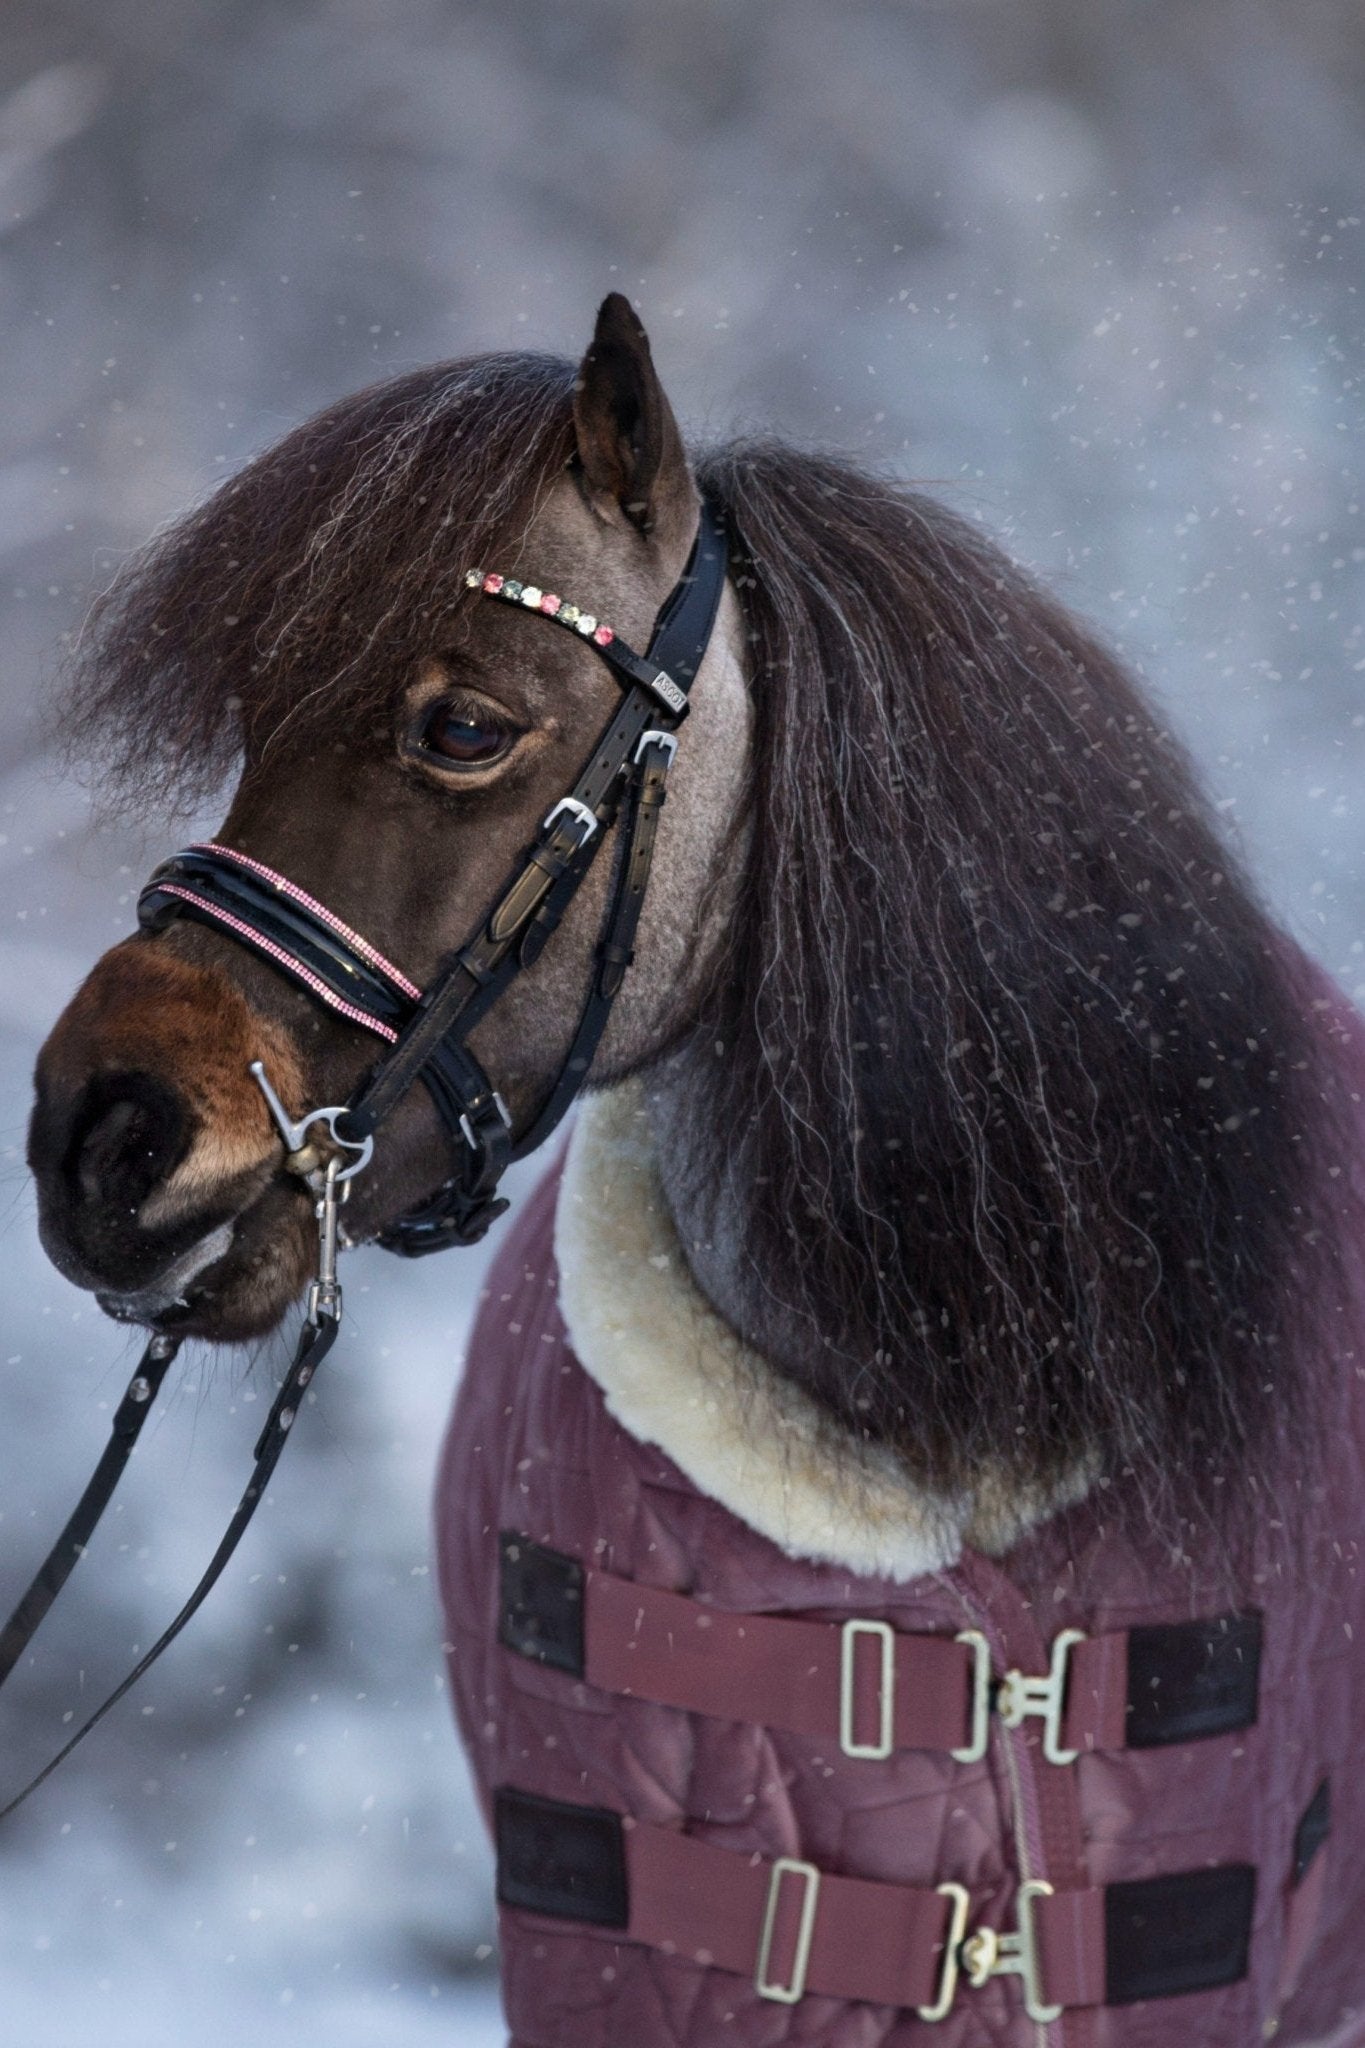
675 1375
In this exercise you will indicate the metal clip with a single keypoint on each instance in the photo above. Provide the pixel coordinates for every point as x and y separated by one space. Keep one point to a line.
324 1295
295 1134
960 1902
979 1739
794 1988
886 1699
988 1953
1018 1696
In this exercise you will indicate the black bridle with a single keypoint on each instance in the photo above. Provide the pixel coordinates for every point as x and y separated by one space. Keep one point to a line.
426 1031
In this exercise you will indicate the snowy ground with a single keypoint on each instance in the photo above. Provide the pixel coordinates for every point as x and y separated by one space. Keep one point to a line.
1102 286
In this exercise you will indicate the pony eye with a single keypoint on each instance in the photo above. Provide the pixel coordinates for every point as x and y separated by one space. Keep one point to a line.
469 739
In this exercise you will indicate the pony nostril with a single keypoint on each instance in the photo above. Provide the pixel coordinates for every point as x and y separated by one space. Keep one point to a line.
128 1133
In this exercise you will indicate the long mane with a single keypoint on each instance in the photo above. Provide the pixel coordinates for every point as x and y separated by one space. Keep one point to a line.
1028 1096
1025 1095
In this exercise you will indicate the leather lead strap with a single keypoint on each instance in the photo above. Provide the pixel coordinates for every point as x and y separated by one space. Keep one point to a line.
57 1567
315 1341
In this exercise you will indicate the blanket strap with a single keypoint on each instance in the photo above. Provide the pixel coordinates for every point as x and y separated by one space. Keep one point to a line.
794 1929
871 1688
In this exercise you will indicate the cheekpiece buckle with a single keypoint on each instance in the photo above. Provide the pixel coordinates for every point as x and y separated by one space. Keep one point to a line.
578 811
467 1131
654 738
989 1953
795 1987
1018 1696
882 1633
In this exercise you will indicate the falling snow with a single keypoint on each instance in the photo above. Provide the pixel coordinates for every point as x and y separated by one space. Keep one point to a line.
1114 316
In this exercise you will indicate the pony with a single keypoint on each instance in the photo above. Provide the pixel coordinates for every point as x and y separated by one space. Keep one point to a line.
991 1116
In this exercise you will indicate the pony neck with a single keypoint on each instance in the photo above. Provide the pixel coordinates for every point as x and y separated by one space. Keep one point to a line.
662 1321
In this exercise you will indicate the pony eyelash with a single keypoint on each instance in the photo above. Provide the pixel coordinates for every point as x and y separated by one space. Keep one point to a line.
529 595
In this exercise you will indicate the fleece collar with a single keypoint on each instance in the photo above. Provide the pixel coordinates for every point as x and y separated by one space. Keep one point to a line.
677 1376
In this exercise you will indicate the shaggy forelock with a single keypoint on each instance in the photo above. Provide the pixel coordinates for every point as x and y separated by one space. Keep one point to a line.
310 583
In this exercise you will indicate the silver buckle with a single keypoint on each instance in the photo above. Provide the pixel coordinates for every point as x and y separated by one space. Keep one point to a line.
847 1679
961 1903
1018 1696
655 738
979 1739
988 1953
790 1992
576 809
467 1129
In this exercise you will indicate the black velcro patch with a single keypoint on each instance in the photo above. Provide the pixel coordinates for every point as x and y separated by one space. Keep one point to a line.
1187 1932
567 1861
1190 1679
541 1603
1313 1829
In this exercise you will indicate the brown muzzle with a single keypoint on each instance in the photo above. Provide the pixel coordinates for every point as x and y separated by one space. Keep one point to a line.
148 1136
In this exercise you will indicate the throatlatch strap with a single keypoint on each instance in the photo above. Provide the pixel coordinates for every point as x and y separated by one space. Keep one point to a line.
792 1928
871 1688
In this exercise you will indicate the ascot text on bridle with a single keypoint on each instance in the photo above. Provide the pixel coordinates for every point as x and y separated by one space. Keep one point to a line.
426 1032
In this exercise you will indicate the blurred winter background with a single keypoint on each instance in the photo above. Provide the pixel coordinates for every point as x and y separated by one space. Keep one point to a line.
1092 268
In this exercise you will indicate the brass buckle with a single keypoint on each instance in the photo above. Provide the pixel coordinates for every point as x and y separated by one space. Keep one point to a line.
988 1953
790 1992
960 1902
848 1648
980 1736
1018 1696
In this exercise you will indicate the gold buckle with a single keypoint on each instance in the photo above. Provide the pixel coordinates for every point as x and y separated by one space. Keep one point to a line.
847 1679
960 1901
1018 1696
988 1953
789 1993
980 1736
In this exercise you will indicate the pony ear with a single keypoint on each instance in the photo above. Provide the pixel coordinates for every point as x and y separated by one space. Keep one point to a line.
628 441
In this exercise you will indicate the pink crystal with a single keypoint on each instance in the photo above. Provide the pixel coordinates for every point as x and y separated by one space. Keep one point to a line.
549 604
492 584
603 635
